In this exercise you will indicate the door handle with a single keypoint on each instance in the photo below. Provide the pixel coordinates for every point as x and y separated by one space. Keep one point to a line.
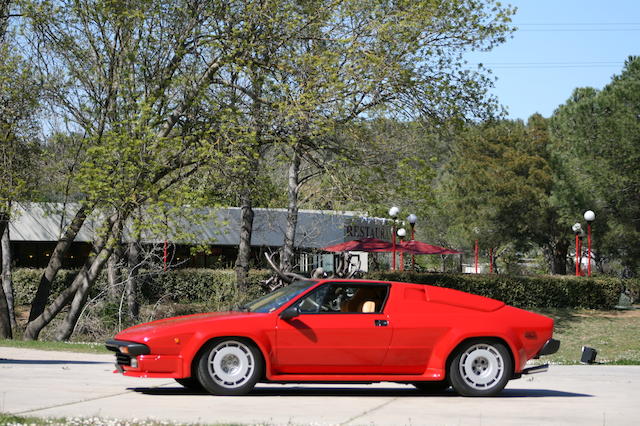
381 323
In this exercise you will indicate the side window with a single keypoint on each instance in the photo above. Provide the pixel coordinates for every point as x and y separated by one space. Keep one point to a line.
345 298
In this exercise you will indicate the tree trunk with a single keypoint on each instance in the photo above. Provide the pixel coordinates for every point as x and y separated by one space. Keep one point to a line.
79 300
133 260
4 221
286 260
86 274
103 247
558 256
5 322
90 270
7 283
55 263
4 18
114 273
244 247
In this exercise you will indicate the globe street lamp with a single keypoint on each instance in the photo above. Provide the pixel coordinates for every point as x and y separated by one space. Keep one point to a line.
577 229
412 219
589 216
401 234
393 213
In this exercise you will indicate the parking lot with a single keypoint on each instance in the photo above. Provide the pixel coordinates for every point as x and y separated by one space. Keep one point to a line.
62 384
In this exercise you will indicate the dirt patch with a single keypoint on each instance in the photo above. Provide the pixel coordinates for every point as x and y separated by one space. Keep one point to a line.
627 313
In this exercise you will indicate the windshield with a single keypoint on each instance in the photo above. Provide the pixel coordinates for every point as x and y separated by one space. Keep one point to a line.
274 300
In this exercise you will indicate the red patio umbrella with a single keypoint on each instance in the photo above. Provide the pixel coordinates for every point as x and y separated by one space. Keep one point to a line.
418 247
363 244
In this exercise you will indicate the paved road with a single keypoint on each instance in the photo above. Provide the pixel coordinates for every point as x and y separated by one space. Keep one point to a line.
43 383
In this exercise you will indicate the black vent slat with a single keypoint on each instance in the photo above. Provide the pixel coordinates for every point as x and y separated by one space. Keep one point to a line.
123 359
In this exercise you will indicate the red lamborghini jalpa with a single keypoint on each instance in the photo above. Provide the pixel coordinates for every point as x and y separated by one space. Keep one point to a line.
337 330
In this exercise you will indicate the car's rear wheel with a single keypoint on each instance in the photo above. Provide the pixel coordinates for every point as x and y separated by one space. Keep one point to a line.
480 368
230 367
432 387
190 383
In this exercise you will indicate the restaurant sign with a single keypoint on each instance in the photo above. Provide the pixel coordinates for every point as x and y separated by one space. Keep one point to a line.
367 229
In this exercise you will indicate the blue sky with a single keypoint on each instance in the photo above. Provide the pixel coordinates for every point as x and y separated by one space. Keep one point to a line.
561 45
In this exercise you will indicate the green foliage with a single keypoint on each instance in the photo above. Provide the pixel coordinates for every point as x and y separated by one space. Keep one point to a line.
19 102
499 184
526 292
211 286
597 136
25 283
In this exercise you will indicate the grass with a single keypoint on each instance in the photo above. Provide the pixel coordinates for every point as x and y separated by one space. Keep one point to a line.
614 334
86 347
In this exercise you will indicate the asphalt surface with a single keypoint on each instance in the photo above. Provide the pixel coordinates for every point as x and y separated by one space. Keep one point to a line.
63 384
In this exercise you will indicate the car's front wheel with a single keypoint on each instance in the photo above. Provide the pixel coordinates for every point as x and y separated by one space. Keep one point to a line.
480 368
229 367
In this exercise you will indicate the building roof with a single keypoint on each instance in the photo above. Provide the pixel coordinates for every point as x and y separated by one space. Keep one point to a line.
215 226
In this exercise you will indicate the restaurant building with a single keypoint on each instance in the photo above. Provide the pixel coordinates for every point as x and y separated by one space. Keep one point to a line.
211 241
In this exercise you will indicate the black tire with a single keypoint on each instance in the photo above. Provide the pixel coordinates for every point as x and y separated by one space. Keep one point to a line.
432 387
480 368
191 383
229 367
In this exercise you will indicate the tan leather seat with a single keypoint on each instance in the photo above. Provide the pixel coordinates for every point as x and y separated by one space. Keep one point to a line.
368 307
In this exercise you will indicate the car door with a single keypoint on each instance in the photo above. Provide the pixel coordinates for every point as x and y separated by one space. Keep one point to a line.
342 329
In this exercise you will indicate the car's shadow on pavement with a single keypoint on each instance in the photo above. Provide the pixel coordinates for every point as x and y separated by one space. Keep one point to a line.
263 391
48 361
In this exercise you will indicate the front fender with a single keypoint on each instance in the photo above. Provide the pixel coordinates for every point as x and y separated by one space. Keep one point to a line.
191 351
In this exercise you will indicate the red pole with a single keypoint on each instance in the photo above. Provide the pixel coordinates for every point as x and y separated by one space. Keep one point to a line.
165 256
589 249
393 239
402 260
577 255
476 256
580 257
413 256
491 260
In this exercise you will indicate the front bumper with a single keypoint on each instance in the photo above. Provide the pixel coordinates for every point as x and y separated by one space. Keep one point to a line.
135 359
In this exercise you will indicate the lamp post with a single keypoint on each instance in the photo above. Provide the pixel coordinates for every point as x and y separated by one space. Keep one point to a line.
393 213
412 219
577 229
589 216
401 234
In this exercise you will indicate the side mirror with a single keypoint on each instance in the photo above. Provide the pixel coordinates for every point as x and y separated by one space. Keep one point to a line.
290 312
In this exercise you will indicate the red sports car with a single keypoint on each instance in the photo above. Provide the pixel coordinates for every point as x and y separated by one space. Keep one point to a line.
337 330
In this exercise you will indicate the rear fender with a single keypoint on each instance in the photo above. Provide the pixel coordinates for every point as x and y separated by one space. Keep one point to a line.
446 347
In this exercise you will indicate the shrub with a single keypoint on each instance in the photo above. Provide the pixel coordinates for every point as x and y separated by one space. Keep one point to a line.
525 291
26 281
213 287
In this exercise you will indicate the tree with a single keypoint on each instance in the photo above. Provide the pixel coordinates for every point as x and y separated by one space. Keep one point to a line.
129 75
498 185
357 59
597 137
19 92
